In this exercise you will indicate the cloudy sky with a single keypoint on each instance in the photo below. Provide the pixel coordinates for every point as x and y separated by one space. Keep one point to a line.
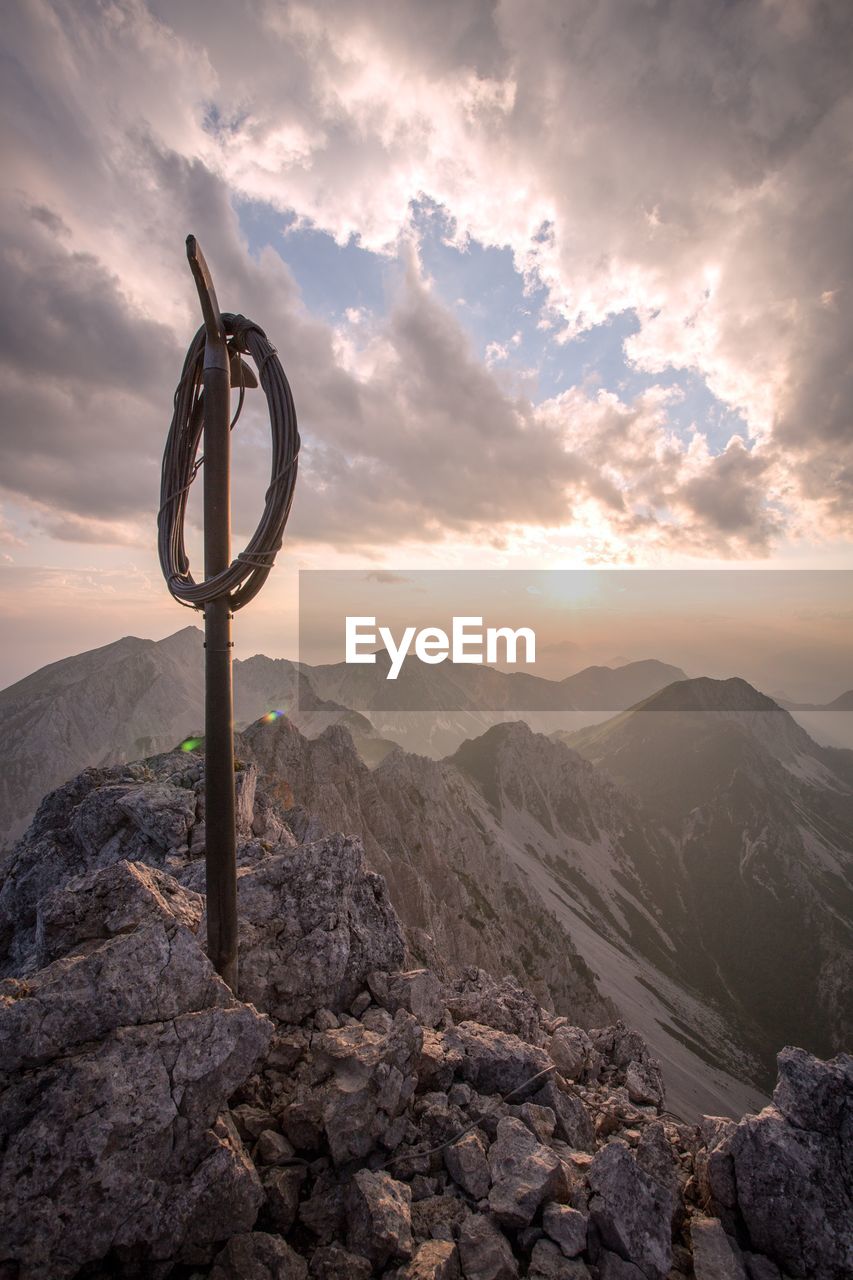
555 283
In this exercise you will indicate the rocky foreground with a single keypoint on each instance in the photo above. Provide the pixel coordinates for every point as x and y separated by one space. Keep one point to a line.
348 1116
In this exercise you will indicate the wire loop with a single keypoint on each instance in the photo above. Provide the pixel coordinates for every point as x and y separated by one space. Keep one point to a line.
248 571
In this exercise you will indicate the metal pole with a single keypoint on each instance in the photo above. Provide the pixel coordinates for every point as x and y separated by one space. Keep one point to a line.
221 838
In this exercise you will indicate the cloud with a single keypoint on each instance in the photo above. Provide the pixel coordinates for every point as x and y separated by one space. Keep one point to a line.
386 576
683 161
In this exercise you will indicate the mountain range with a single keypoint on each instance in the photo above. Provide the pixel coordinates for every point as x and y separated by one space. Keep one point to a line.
136 697
685 863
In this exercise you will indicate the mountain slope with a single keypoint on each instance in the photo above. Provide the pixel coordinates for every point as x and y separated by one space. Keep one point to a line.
428 833
483 850
762 818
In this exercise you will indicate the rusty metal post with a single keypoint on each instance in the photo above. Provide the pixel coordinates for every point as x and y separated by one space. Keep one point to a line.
221 838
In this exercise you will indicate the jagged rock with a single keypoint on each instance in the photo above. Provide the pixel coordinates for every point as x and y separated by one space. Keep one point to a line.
272 1148
127 1123
83 827
434 1260
566 1227
627 1051
148 976
257 1256
485 1252
715 1168
437 1217
301 1122
123 1052
246 782
334 1262
524 1173
466 1160
417 990
379 1220
252 1121
360 1004
715 1256
814 1095
324 1213
631 1212
313 923
547 1262
655 1156
378 1020
644 1083
162 812
572 1120
495 1061
281 1188
439 1061
423 1187
541 1121
438 1119
110 901
132 1046
288 1047
475 996
794 1184
572 1052
373 1080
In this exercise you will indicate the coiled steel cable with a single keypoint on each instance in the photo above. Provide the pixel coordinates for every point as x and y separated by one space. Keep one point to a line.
246 574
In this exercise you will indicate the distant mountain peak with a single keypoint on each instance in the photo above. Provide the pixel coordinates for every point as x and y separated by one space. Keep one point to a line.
187 641
706 694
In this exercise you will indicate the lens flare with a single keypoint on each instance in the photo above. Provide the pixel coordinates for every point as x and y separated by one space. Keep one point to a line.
190 744
272 716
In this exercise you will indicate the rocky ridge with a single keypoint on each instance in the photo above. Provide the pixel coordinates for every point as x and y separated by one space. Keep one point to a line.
348 1116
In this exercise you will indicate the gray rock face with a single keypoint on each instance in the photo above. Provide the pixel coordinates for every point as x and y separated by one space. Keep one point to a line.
474 996
110 901
573 1121
380 1217
257 1256
86 997
334 1262
715 1255
786 1177
418 990
485 1251
119 1058
635 1067
524 1173
548 1263
631 1211
129 1122
612 1267
434 1260
566 1227
572 1052
373 1080
813 1095
313 923
495 1061
468 1165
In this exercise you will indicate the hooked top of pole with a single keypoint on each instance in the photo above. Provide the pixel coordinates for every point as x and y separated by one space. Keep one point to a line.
215 352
